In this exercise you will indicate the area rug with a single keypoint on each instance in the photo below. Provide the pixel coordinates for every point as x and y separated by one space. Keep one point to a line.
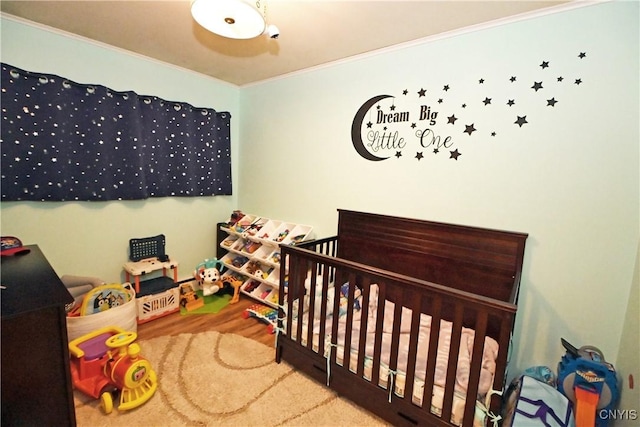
212 304
214 379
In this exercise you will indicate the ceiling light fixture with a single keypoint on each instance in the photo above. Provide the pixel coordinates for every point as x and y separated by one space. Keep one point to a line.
235 19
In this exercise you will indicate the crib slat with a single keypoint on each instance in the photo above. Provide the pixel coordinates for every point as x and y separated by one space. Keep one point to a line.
364 315
395 334
452 366
377 347
414 301
335 317
476 365
434 336
346 358
299 278
323 312
311 295
504 341
296 293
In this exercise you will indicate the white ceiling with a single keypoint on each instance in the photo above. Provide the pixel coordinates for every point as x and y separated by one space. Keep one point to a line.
312 33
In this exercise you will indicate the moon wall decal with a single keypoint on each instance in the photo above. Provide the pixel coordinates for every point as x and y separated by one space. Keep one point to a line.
356 129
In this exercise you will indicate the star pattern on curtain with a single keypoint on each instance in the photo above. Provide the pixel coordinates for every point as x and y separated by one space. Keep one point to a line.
63 141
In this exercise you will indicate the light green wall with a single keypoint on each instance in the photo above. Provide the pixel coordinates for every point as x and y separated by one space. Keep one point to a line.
628 361
569 178
92 238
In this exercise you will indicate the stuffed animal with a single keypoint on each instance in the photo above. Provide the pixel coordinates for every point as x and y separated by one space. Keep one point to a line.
255 268
208 277
318 296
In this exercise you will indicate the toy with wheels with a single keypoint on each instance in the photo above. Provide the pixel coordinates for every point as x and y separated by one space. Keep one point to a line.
189 299
107 361
264 313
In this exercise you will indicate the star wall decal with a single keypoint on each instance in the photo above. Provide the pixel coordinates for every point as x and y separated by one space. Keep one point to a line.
470 129
459 110
521 121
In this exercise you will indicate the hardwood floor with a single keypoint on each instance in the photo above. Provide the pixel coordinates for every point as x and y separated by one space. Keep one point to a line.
228 320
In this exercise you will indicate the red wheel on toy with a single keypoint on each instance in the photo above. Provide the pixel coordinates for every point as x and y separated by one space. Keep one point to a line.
270 328
246 314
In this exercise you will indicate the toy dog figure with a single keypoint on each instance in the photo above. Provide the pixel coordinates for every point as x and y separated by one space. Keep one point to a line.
208 277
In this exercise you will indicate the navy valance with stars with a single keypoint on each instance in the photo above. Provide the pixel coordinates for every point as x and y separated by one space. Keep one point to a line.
65 141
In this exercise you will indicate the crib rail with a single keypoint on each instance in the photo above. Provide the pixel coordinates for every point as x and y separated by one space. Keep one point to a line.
313 266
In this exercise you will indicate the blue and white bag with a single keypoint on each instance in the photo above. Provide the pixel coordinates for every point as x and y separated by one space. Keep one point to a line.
532 403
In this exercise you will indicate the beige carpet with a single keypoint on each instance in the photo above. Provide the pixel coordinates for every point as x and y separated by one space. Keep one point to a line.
213 379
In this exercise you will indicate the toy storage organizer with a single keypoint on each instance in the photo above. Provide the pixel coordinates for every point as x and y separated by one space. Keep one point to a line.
250 250
157 295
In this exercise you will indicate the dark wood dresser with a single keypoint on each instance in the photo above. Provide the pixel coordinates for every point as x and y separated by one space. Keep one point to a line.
36 380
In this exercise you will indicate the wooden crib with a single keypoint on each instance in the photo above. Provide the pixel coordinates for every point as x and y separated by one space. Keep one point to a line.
353 307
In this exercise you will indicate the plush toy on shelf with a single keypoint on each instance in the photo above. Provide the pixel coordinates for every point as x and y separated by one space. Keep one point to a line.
207 276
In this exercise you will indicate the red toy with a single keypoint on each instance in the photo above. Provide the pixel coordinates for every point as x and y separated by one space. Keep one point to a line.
106 361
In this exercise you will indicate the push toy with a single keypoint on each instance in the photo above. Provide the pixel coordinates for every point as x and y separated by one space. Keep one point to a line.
106 361
264 313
